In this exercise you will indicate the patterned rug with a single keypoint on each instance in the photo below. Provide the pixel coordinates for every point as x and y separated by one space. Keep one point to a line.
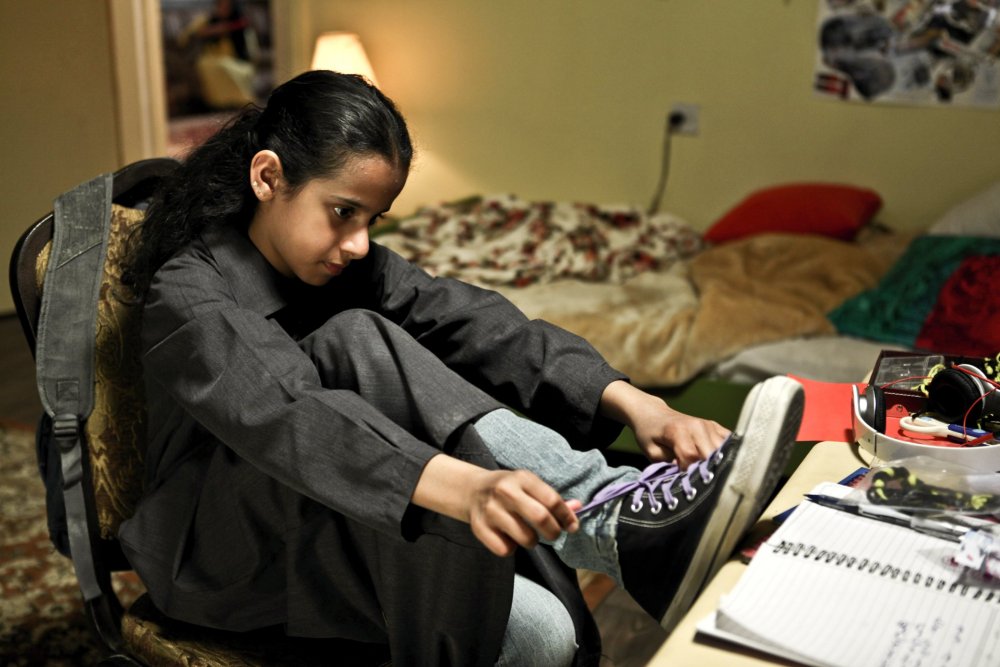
41 611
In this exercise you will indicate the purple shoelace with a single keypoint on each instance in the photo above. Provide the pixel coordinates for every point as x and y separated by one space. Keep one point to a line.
653 477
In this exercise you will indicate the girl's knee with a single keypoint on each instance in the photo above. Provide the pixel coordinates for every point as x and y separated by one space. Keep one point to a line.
356 330
540 630
354 323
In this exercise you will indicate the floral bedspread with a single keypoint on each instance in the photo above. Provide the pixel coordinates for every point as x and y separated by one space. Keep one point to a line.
505 241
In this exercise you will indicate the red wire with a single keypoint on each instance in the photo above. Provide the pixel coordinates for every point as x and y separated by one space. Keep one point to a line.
981 399
906 379
965 418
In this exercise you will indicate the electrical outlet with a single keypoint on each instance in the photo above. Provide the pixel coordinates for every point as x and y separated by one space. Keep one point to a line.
684 118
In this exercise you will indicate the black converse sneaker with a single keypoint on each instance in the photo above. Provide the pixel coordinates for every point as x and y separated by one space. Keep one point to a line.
677 528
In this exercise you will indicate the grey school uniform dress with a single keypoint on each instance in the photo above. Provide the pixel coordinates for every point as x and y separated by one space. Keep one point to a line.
280 463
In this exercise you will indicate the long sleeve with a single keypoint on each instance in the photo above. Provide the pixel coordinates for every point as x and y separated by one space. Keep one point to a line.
550 374
215 365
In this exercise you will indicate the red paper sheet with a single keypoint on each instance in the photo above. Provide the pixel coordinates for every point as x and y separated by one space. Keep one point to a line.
828 413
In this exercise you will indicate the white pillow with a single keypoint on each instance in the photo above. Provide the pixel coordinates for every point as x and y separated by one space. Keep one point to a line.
977 216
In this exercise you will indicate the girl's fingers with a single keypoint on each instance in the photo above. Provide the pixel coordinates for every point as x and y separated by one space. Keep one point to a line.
565 514
524 507
687 439
546 510
516 530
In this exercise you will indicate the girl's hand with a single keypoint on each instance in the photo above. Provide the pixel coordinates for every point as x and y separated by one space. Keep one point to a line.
663 434
504 508
514 507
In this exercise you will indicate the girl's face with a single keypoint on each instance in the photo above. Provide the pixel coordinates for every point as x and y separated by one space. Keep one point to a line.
316 232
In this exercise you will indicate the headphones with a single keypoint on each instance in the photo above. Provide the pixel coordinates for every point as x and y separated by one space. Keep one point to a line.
871 407
951 393
954 392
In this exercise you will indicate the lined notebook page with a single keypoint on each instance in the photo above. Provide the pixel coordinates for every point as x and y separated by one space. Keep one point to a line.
830 588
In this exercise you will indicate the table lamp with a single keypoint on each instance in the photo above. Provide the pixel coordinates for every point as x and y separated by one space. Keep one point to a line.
342 52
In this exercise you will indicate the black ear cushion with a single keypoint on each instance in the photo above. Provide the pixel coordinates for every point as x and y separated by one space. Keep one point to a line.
873 408
950 395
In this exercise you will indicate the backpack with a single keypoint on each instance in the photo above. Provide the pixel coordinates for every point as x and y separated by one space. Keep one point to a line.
64 362
89 441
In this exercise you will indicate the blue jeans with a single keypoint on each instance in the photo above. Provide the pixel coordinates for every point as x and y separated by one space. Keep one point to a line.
539 631
538 621
521 444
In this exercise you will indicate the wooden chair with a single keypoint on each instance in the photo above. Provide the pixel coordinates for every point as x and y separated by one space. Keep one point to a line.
137 634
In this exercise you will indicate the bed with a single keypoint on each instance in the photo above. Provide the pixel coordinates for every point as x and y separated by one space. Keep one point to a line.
796 278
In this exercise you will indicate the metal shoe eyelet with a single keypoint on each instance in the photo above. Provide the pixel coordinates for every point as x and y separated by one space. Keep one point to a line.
709 477
636 506
655 509
672 504
718 457
690 496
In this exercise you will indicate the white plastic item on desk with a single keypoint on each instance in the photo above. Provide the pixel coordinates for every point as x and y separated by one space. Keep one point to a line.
887 448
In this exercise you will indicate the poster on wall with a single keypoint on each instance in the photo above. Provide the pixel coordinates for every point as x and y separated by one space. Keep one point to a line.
920 52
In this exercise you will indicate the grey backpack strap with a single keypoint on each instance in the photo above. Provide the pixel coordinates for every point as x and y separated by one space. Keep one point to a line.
64 354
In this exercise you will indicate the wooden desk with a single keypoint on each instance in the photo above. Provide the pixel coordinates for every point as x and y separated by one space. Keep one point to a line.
826 462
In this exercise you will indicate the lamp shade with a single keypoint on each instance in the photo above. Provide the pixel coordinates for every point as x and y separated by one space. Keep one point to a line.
342 52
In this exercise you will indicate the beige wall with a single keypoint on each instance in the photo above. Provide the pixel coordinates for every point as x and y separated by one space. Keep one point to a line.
566 99
57 126
547 99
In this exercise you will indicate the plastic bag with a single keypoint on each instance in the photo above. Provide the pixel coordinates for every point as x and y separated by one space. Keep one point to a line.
926 485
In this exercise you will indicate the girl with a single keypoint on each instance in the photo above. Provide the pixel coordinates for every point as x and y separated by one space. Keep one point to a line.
329 445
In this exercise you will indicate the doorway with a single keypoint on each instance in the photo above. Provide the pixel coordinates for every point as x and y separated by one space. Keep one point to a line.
155 120
217 58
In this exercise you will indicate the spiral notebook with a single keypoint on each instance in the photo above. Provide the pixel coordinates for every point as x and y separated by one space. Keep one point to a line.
833 589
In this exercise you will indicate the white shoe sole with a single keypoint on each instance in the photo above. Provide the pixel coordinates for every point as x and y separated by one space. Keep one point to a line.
768 425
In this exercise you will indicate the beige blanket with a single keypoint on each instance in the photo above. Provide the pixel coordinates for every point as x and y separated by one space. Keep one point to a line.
663 328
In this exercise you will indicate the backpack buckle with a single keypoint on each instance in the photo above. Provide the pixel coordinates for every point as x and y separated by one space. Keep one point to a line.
66 431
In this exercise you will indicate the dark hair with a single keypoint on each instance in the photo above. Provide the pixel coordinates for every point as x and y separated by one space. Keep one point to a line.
315 123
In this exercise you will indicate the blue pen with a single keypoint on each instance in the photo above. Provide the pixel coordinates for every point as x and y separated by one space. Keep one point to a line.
944 528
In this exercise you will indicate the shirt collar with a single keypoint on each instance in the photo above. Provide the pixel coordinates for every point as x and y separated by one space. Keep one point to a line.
254 283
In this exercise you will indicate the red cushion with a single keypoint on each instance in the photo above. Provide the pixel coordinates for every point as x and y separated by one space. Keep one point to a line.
827 209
